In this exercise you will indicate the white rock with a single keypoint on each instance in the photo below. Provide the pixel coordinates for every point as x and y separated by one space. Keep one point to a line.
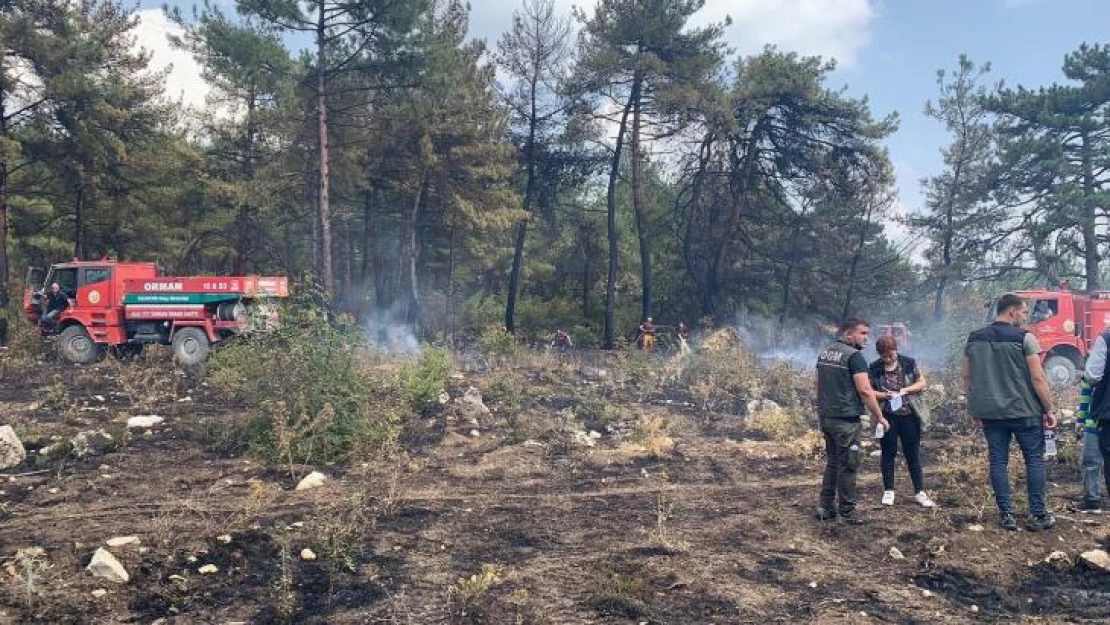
308 554
99 592
876 453
1057 556
444 397
12 452
144 421
926 593
595 434
105 565
813 584
582 439
1096 558
208 569
27 553
224 538
99 398
312 480
975 609
91 443
593 373
471 404
975 528
475 433
763 405
896 554
120 541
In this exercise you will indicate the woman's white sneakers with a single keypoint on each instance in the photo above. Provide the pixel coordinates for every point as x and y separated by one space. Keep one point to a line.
921 498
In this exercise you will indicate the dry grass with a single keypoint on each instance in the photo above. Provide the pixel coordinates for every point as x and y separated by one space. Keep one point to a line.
651 433
467 591
777 423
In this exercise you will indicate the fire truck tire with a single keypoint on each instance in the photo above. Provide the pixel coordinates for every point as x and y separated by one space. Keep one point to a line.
76 346
190 346
1059 370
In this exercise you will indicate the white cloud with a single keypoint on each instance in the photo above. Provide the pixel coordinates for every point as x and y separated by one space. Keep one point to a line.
838 29
184 83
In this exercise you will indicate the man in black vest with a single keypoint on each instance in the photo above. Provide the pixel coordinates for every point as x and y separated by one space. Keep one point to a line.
1095 373
843 394
1008 393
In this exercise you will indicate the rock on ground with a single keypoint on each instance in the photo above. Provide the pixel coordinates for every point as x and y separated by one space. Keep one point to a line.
121 541
92 443
12 452
593 373
144 421
763 405
470 405
106 566
312 480
1097 559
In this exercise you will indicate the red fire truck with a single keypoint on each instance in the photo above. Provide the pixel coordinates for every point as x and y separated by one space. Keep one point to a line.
123 305
1066 325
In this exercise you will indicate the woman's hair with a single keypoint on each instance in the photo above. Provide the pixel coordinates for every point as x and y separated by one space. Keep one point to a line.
886 344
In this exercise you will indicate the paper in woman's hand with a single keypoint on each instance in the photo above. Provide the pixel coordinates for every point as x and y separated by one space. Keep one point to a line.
895 402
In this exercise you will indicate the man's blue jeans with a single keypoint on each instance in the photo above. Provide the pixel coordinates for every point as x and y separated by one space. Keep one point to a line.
1030 438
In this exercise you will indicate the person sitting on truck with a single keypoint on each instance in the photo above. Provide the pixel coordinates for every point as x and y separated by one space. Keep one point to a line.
56 302
1041 311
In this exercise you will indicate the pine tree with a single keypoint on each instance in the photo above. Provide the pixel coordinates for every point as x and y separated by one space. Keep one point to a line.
535 53
642 56
958 221
1055 163
349 36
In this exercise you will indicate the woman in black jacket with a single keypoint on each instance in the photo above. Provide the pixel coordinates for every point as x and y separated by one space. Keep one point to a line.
896 377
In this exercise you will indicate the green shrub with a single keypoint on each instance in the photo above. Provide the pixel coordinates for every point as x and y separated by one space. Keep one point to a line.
422 382
310 394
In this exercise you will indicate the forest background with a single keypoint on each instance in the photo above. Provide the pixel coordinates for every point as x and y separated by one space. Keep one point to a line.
581 171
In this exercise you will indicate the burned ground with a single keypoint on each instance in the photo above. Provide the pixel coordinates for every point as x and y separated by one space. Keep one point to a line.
673 515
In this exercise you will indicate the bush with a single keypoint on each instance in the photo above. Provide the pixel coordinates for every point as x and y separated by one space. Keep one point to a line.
723 381
310 394
421 383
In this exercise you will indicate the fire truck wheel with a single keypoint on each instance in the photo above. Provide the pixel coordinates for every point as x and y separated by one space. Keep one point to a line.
1059 370
190 346
77 347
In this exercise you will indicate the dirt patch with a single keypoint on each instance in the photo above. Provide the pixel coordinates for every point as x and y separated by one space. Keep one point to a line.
455 528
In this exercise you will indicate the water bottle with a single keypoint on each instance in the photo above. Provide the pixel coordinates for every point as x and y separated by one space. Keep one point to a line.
1050 443
879 431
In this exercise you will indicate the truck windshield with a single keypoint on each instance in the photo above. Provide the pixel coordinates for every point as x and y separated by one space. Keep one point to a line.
66 277
1043 309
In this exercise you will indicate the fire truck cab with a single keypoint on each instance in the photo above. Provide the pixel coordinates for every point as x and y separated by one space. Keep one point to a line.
1066 325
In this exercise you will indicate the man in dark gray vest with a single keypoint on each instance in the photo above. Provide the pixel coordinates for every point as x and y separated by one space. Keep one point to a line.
843 394
1009 395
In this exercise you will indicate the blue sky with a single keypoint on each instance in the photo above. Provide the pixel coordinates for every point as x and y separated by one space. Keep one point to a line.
888 50
1025 42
